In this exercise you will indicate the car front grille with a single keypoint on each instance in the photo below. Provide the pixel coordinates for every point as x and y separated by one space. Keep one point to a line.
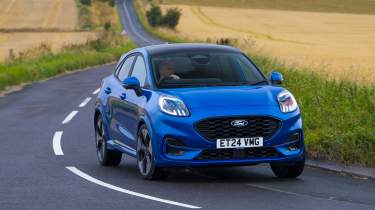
238 154
219 128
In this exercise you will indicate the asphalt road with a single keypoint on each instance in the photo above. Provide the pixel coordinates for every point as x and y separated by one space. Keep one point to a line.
48 161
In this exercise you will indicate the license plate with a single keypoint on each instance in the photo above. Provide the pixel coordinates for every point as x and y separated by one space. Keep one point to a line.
239 142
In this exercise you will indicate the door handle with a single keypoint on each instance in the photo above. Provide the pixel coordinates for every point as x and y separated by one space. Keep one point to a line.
123 96
108 90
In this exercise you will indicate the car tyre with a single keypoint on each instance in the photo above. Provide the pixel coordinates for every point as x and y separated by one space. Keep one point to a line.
288 170
145 159
106 157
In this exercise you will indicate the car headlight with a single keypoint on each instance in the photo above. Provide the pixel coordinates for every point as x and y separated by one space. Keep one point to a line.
287 101
173 106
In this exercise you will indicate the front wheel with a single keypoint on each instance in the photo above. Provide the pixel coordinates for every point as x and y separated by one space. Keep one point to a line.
106 157
146 164
288 170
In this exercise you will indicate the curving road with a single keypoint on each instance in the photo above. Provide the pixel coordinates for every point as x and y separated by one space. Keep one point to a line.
48 160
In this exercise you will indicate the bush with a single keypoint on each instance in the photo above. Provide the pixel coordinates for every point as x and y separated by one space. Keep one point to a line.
227 41
154 16
171 18
84 18
34 52
107 26
112 3
86 2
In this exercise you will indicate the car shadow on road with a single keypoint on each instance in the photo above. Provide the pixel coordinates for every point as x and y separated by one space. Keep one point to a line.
243 174
237 174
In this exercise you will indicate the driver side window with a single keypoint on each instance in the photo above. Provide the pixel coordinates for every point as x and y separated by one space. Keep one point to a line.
125 68
139 70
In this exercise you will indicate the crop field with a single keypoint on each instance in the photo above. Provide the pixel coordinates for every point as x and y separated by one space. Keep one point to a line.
335 6
25 24
61 14
337 44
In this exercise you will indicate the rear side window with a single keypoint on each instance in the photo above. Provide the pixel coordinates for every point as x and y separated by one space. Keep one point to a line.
125 68
139 70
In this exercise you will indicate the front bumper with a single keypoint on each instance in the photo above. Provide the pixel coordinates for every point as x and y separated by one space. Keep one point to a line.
194 144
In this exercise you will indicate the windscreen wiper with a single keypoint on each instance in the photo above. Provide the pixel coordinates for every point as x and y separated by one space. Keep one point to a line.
258 82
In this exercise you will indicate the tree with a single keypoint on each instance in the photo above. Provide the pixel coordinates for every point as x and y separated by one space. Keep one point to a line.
107 26
86 2
112 3
171 18
154 16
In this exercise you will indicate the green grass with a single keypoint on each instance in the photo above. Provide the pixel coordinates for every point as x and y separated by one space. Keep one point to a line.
27 70
339 6
339 117
339 121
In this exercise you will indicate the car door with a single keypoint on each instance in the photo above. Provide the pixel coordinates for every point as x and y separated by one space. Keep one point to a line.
131 104
116 100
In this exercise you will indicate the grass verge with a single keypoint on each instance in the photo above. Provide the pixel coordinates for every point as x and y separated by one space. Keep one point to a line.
30 69
339 118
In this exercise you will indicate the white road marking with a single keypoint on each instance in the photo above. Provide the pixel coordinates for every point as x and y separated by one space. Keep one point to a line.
77 172
96 91
69 117
85 102
56 143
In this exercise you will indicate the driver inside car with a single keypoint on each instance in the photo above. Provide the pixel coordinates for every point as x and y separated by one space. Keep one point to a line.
167 71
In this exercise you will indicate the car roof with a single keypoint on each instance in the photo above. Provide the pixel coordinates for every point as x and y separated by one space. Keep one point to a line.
176 48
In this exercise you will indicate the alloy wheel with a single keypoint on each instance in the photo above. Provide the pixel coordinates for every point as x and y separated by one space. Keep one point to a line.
144 151
100 139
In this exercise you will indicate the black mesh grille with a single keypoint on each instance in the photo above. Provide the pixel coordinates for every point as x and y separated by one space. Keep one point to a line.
218 128
230 154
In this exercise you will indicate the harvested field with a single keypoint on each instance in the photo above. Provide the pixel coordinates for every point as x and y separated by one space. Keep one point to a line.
342 45
23 41
28 23
57 14
336 6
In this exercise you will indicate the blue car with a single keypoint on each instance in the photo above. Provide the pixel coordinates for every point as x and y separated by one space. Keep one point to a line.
196 105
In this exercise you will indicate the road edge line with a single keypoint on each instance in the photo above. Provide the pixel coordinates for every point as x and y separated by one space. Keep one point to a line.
89 178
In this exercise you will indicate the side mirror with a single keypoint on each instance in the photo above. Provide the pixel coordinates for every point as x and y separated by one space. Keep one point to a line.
132 83
276 78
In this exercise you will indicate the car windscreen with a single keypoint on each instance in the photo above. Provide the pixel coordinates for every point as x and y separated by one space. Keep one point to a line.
204 68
